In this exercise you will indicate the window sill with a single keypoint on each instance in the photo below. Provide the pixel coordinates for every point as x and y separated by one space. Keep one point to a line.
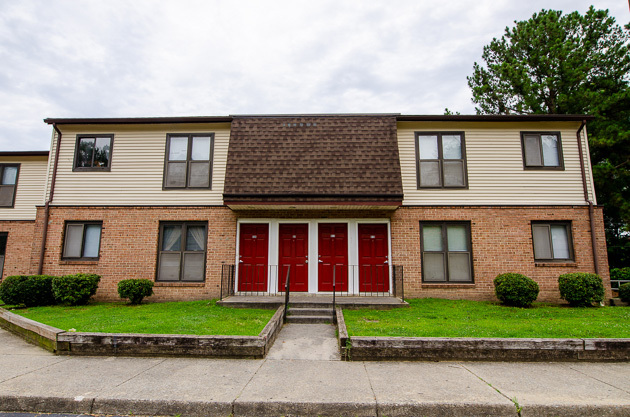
179 284
447 285
78 262
556 264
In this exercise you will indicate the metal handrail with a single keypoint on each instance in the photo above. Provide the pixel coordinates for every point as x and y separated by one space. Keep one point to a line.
619 283
334 313
286 294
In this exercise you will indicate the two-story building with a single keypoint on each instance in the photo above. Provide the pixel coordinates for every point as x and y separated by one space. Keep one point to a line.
374 203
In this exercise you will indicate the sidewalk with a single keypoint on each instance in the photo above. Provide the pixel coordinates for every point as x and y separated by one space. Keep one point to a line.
32 379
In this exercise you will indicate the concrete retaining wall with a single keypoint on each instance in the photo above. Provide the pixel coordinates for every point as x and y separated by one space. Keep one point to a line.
125 344
34 332
359 348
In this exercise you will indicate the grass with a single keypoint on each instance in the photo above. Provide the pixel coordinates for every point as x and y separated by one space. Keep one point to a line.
430 317
188 317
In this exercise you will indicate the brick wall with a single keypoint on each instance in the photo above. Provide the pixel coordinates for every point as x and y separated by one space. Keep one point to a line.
17 258
129 247
501 242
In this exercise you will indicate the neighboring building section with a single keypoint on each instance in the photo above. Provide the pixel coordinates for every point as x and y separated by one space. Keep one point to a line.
22 184
22 181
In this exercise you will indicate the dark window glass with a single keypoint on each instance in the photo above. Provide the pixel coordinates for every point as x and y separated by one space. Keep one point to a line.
446 252
552 241
3 248
93 152
188 162
182 254
441 160
542 150
82 240
8 182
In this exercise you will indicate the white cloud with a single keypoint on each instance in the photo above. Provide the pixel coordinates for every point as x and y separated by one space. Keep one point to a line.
159 58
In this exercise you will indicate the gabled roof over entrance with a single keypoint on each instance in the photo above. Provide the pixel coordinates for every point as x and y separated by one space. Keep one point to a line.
313 159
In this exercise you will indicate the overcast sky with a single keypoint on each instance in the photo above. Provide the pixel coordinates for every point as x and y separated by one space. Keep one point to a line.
171 58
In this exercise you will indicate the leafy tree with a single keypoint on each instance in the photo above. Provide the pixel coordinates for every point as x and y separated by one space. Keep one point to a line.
570 64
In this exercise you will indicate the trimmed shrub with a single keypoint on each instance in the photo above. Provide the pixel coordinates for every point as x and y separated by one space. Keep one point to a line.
135 289
75 289
30 290
581 289
622 274
516 289
624 292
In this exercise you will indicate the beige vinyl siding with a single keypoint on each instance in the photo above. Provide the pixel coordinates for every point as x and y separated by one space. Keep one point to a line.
495 166
137 167
30 187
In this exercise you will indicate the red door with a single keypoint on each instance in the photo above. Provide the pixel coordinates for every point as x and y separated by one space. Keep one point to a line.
373 262
253 256
333 256
294 252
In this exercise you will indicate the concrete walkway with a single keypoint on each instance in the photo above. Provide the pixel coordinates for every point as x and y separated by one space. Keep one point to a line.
32 379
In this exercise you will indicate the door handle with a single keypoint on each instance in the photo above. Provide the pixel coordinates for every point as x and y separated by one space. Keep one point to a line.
386 262
321 262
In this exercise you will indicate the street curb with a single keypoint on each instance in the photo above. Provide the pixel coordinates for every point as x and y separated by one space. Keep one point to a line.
17 403
236 408
314 409
372 348
129 344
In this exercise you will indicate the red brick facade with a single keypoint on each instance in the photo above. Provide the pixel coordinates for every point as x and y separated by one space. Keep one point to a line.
501 242
129 247
17 259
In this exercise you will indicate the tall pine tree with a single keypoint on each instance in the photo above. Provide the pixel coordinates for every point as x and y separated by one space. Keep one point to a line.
570 64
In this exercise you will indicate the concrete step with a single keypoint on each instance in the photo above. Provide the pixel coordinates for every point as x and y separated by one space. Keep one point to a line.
310 304
293 311
309 319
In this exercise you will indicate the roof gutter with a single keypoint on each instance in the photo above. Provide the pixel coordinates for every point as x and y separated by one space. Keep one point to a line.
42 249
591 209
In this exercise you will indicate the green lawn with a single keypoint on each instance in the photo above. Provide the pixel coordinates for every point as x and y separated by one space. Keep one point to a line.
188 317
432 317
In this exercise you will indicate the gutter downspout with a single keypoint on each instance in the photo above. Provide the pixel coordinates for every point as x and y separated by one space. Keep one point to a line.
591 210
42 249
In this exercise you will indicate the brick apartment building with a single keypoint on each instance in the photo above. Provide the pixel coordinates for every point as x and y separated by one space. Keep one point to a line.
435 205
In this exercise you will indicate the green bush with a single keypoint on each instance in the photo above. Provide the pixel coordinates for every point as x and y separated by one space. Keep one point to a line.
624 292
30 290
622 274
135 289
515 289
581 289
75 289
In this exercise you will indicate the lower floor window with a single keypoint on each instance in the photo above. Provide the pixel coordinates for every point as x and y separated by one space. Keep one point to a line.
3 248
82 240
182 252
552 241
446 252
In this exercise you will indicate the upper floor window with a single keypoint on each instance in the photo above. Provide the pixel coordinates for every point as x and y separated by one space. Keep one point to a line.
446 252
552 241
93 153
82 240
188 162
441 160
542 150
8 183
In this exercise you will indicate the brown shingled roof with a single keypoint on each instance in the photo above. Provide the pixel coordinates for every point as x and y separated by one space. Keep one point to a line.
313 157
